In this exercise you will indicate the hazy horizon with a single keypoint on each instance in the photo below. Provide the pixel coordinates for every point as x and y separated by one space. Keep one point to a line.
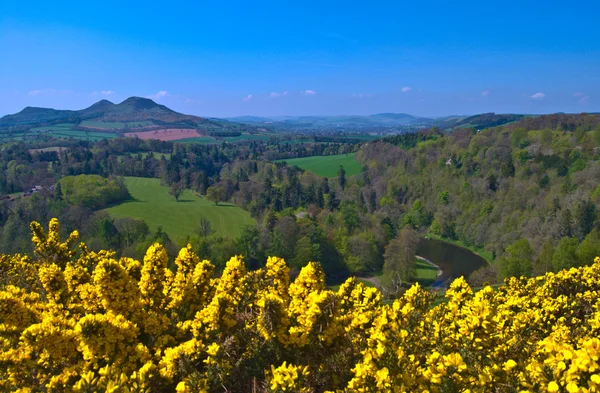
298 115
273 59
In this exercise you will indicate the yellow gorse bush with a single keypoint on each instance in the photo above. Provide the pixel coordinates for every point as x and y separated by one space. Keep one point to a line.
72 320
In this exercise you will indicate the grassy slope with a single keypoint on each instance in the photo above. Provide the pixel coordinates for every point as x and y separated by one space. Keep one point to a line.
425 274
153 204
114 124
63 131
103 124
89 135
56 127
328 166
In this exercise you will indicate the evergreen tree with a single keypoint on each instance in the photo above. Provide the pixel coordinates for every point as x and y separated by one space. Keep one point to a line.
585 216
270 220
342 177
320 198
108 232
372 201
325 186
333 202
250 247
58 192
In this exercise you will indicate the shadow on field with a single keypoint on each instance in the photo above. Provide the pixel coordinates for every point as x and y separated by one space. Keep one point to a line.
129 199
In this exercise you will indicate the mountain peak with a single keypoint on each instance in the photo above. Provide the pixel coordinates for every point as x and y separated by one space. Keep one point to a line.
103 102
101 106
141 103
34 109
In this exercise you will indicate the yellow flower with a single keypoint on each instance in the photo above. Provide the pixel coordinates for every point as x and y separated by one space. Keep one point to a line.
509 364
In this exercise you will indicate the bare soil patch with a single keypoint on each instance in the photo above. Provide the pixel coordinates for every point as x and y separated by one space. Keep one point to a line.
165 134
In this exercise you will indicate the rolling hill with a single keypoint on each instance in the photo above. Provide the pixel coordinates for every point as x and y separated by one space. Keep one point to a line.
377 122
137 114
346 122
133 109
481 121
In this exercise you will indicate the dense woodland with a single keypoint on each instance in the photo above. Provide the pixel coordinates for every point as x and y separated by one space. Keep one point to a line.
525 195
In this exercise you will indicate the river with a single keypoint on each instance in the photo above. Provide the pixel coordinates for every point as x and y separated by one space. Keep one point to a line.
454 261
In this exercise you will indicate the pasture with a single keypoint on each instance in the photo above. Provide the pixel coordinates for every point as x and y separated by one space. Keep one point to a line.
56 132
152 203
87 135
327 166
56 127
114 125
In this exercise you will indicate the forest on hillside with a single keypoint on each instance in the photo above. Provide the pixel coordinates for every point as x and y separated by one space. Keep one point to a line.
524 195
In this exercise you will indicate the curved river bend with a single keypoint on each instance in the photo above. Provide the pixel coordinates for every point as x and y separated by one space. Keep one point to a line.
454 261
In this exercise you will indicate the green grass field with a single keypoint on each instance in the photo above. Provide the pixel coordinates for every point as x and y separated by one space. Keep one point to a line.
87 135
114 125
156 155
56 127
133 124
152 203
328 166
425 274
103 124
59 133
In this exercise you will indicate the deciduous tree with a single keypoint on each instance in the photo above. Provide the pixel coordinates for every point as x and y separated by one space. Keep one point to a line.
518 260
215 194
400 254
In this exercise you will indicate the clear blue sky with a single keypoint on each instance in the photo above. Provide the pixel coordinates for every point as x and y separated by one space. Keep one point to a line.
228 58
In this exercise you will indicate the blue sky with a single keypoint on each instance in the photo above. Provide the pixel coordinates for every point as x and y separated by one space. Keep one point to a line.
302 58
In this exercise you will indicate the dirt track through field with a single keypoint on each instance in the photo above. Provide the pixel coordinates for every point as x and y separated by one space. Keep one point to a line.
166 134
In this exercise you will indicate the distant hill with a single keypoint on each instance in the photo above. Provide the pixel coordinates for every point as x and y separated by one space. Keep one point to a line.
481 121
143 114
342 122
378 122
133 109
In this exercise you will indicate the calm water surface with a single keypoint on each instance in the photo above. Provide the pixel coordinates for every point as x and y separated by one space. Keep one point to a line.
454 261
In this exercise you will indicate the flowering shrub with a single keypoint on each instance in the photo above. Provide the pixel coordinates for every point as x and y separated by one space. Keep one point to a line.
72 320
